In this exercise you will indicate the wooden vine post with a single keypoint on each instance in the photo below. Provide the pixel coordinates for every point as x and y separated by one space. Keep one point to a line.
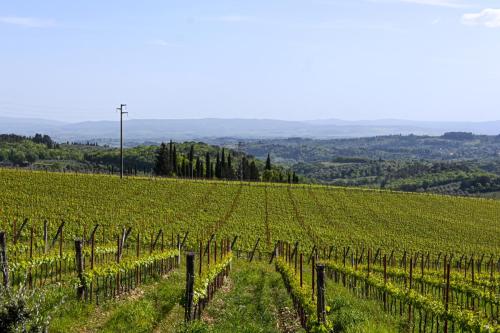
301 264
274 253
385 281
92 250
208 253
14 230
233 243
3 259
254 249
189 286
367 287
447 295
118 250
215 251
296 256
45 236
410 317
321 308
30 276
80 291
313 275
61 251
137 254
201 258
179 249
422 267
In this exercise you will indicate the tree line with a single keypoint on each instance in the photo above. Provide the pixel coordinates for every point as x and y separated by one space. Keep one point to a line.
187 160
170 163
219 165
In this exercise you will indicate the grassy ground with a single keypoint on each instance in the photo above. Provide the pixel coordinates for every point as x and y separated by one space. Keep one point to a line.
140 311
253 300
351 314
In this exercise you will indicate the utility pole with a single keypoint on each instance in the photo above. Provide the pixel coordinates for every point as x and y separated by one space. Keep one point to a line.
121 136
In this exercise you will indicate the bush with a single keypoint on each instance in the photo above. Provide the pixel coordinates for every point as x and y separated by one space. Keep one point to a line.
20 311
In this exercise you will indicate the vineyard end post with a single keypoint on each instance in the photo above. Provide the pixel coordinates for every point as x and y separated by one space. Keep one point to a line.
189 286
313 276
179 249
447 295
321 307
201 258
3 259
79 268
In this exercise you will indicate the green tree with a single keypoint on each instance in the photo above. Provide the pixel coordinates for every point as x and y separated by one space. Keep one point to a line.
229 167
4 155
161 161
218 168
254 172
223 171
174 159
17 157
268 162
208 170
31 156
191 158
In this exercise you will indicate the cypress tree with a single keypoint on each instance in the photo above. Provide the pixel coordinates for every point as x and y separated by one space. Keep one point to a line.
229 168
171 150
191 158
254 172
191 153
209 165
217 166
268 162
199 170
246 170
160 168
223 165
183 168
174 159
243 175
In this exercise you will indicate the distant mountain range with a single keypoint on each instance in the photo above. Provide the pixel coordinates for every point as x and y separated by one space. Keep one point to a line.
155 130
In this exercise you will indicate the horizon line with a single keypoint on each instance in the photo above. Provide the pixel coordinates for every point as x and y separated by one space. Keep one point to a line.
256 118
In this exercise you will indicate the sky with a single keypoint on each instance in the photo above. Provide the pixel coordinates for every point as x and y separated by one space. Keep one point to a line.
436 60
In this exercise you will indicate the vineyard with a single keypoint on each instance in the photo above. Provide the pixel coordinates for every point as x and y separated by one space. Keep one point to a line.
431 262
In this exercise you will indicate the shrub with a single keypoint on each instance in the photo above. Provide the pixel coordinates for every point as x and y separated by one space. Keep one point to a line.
21 311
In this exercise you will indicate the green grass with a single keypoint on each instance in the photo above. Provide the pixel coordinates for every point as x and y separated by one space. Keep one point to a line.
140 311
253 300
351 314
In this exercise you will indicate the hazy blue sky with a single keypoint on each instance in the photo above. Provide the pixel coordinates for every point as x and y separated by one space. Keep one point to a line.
285 59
